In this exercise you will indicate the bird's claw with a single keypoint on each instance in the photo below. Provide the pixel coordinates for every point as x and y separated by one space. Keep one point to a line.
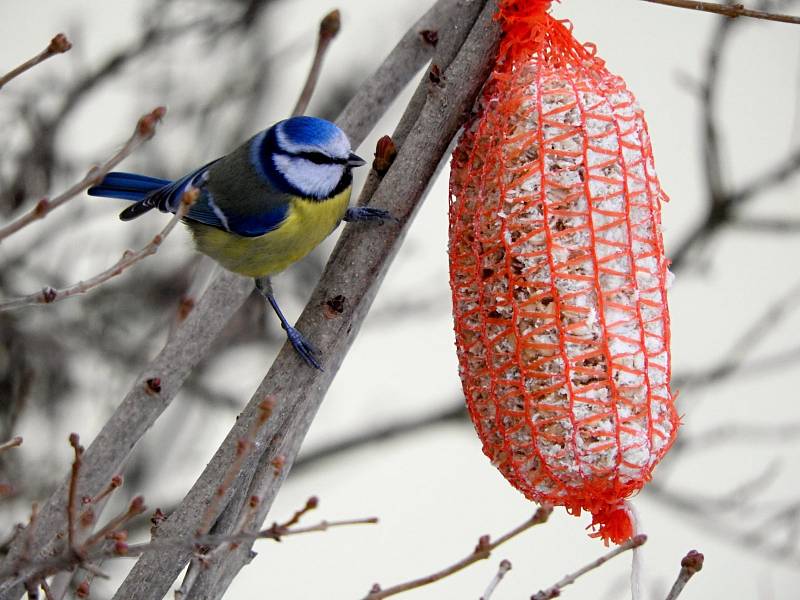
366 213
304 348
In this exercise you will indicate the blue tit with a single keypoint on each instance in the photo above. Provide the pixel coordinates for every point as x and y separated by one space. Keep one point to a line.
262 207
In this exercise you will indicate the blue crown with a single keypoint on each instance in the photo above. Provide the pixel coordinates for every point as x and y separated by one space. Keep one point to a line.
309 130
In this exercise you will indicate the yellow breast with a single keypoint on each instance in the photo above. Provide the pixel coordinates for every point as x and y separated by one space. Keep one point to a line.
307 223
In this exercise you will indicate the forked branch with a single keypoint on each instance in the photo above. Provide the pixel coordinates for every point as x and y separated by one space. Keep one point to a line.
48 295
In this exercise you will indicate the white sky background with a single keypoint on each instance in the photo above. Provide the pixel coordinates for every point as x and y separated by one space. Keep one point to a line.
436 493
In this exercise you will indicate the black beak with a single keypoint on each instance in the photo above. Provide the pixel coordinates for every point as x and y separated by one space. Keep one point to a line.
355 161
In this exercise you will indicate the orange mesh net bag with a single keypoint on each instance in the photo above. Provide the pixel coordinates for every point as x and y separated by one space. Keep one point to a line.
558 275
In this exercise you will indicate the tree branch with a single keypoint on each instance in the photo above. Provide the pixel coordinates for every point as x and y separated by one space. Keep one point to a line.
328 29
145 129
482 551
58 45
554 591
68 561
728 10
503 568
49 295
690 565
12 443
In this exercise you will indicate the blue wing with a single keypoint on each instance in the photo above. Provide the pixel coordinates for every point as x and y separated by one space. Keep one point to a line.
205 210
208 211
151 192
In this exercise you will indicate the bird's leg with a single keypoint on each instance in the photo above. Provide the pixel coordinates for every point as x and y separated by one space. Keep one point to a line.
302 346
365 213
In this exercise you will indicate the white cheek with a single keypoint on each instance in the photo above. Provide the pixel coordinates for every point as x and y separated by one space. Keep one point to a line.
310 178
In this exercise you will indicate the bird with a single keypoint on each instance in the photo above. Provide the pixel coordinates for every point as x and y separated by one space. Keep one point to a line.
263 206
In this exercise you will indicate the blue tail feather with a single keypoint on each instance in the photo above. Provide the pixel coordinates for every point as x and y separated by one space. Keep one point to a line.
127 186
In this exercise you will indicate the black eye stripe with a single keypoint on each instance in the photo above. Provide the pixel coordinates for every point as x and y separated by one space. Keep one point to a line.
319 158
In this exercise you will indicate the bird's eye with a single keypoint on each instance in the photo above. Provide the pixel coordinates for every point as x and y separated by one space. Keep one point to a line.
317 158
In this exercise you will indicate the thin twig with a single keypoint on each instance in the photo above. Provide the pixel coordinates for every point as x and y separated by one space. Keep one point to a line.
12 443
66 561
502 569
270 534
135 508
207 556
115 482
58 45
311 504
242 448
691 564
482 551
49 295
72 509
728 10
264 534
328 29
26 553
144 130
554 591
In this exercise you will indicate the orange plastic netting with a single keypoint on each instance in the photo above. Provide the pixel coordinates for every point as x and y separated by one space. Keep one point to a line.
559 277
